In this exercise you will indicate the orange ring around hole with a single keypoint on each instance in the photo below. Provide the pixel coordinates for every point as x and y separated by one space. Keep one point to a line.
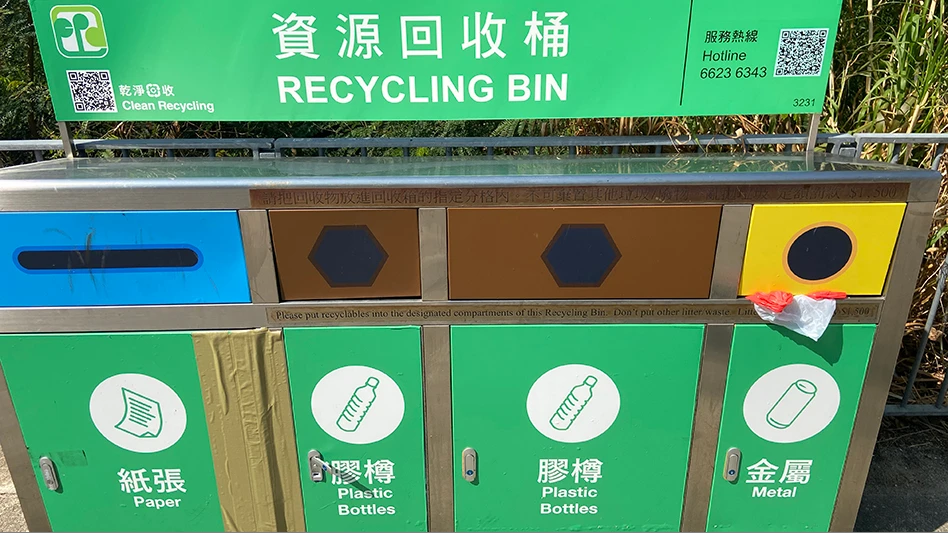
852 256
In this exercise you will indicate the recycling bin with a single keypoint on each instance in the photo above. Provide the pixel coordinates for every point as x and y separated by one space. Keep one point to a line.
437 344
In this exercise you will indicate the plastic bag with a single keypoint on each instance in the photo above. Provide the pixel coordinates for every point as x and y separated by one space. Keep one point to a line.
808 315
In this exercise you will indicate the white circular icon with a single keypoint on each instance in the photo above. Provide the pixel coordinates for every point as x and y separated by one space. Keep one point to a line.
791 403
573 403
358 404
138 413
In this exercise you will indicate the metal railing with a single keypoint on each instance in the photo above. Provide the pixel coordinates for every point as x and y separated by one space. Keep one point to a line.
416 146
899 146
836 143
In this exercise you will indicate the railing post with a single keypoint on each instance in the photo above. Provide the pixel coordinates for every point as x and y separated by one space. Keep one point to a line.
813 131
69 147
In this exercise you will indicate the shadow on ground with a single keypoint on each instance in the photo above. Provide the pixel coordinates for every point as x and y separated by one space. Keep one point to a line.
907 489
11 519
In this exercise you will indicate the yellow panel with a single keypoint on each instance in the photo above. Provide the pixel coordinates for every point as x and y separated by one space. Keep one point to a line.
827 247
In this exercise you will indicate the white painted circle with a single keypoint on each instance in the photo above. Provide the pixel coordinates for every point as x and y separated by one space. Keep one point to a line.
791 403
138 413
375 411
588 397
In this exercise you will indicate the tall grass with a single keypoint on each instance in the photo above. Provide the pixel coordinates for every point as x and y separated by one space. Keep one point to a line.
889 74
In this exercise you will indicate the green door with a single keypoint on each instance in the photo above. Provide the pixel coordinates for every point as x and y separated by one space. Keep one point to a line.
122 419
789 408
576 428
357 401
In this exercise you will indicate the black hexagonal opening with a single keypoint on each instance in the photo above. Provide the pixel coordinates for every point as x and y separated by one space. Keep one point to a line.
581 255
348 256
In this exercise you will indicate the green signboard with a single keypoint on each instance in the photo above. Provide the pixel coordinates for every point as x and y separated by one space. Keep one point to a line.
122 420
789 408
357 402
575 427
426 59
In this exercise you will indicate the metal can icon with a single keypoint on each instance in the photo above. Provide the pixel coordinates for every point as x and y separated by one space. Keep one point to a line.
791 404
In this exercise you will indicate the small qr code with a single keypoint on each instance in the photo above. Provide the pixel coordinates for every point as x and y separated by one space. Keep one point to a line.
92 91
800 52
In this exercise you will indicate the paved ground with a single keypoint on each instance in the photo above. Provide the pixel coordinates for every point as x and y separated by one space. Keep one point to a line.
10 517
907 488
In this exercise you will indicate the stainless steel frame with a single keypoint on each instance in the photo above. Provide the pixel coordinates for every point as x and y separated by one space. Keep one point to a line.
439 444
433 243
258 253
712 378
729 256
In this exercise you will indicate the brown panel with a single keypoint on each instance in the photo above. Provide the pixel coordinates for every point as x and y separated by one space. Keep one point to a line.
358 253
581 252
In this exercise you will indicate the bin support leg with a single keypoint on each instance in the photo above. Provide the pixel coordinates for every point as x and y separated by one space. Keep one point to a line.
18 460
885 348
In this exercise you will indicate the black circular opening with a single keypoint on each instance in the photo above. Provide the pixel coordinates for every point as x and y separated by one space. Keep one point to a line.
819 253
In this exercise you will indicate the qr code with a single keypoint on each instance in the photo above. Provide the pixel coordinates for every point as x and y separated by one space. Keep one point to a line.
92 91
800 52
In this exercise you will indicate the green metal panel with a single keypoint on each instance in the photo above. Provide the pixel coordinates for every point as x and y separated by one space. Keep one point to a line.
789 407
122 418
357 399
433 60
575 427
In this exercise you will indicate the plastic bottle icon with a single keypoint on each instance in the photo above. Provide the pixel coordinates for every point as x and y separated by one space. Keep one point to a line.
357 406
573 405
791 404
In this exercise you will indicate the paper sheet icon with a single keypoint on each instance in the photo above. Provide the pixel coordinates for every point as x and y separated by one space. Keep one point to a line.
142 415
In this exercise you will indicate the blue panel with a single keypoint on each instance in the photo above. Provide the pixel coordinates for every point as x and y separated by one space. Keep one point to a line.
121 258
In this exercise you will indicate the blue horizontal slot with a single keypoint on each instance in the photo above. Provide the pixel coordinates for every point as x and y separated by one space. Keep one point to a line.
122 258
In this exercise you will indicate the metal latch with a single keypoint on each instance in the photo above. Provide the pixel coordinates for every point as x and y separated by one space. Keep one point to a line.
49 473
317 467
469 464
732 464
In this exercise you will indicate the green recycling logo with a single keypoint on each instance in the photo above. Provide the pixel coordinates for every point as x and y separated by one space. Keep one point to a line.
138 413
357 404
573 403
791 403
79 31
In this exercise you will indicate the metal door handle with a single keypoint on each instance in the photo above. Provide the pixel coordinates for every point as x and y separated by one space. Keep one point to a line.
732 464
49 473
317 467
469 464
